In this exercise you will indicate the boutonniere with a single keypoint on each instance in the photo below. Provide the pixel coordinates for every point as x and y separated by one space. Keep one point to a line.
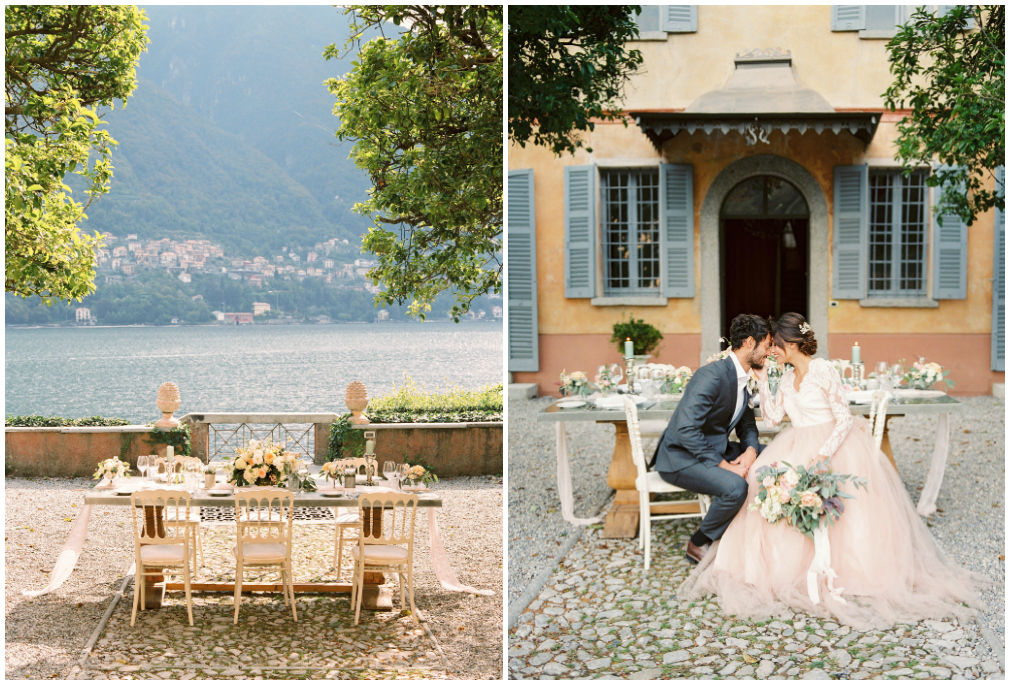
752 383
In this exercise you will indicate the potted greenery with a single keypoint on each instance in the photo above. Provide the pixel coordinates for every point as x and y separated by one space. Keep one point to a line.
644 336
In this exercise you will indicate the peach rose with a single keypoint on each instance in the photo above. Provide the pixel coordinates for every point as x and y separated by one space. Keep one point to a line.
810 499
784 496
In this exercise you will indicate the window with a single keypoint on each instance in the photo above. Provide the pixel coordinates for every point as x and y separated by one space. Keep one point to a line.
631 249
872 21
656 22
897 234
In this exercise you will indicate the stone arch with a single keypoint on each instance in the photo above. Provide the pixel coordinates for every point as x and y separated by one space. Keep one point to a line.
710 267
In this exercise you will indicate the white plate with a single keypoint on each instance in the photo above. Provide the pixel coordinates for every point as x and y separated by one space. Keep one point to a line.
571 404
415 488
219 493
331 493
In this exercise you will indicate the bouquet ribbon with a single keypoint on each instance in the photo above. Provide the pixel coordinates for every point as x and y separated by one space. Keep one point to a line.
821 565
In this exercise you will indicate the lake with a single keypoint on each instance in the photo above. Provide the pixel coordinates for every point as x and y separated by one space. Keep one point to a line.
75 372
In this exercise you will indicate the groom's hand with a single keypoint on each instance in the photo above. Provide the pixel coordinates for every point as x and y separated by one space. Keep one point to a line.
734 467
746 459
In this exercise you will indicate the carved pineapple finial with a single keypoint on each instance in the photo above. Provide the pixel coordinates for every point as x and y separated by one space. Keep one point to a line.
356 400
168 402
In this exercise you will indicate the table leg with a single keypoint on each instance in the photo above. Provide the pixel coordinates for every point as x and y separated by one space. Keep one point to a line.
885 444
622 519
374 597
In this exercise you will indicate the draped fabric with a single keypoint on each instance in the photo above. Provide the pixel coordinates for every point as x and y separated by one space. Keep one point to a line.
565 482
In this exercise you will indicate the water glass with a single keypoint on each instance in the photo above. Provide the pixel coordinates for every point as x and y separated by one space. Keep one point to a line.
389 470
142 465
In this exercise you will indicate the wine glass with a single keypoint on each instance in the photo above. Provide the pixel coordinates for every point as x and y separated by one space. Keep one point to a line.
389 470
401 471
142 465
616 372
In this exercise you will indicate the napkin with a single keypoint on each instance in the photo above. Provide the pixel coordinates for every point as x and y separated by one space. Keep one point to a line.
860 396
909 392
616 401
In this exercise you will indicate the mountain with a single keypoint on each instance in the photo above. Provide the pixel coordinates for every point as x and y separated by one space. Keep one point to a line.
229 134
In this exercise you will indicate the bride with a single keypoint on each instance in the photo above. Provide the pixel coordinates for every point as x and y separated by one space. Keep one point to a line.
889 569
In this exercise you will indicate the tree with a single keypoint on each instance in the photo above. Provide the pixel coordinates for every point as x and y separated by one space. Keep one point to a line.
955 81
425 112
567 66
61 63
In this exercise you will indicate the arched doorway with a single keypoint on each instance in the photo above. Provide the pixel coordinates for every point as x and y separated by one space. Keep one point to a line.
764 255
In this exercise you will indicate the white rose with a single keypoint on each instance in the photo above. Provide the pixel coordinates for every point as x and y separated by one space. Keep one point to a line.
241 463
257 458
768 482
791 478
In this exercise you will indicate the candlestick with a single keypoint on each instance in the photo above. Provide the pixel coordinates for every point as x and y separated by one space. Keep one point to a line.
855 354
629 348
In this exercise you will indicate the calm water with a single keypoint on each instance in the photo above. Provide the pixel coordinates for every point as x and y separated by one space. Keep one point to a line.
116 371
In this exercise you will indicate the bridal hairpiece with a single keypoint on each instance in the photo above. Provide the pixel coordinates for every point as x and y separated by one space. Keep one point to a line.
805 328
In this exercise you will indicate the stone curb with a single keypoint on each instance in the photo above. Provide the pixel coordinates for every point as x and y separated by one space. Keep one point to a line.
517 607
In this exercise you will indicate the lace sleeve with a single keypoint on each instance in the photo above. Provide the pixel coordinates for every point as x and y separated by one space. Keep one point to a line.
773 408
829 383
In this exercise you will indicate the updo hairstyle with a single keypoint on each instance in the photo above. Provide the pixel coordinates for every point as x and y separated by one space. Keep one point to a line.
787 329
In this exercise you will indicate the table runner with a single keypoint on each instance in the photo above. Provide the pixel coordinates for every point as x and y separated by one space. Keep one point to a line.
71 552
565 481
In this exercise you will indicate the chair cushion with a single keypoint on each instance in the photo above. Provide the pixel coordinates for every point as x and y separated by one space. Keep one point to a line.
349 517
655 483
161 554
263 551
382 554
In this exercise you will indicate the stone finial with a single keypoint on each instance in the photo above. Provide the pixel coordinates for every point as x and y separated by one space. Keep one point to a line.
168 402
356 400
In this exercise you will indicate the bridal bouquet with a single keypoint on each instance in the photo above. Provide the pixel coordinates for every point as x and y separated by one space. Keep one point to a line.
575 383
800 496
925 375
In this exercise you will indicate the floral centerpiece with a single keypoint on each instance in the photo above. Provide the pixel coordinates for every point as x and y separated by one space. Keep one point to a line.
804 498
261 462
112 469
924 375
575 383
332 471
674 378
605 381
419 473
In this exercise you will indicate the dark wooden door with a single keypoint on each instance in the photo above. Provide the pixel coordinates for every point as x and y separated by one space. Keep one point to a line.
761 274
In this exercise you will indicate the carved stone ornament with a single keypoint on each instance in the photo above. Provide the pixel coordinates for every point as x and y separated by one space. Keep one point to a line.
356 400
168 403
763 54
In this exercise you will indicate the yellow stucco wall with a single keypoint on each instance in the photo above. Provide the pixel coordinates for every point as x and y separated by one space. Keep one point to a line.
850 72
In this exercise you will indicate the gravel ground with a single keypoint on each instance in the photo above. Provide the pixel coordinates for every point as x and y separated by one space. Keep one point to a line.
44 637
970 526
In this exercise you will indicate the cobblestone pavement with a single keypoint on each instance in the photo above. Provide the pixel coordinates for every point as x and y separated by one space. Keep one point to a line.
599 615
267 643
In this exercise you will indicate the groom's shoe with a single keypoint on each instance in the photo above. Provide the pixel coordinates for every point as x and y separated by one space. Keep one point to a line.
696 554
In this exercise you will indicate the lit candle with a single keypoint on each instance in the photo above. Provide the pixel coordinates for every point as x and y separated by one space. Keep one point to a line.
856 359
369 447
629 348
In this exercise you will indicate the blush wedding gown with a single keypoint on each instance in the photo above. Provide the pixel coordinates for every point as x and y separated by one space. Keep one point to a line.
889 568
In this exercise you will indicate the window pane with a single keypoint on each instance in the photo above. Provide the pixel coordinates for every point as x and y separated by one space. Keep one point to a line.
784 199
648 229
615 229
746 199
913 234
879 267
648 20
631 251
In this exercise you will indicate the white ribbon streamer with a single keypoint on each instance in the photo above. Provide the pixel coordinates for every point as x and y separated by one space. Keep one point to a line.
927 500
565 481
821 565
67 560
440 561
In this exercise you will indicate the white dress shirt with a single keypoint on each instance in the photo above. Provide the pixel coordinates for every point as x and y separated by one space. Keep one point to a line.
741 379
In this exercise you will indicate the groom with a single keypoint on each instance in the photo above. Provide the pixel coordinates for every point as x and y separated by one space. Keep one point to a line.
695 452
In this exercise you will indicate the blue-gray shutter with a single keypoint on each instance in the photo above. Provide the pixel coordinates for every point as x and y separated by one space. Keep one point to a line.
524 351
850 232
848 17
999 284
950 253
580 231
676 211
943 9
679 18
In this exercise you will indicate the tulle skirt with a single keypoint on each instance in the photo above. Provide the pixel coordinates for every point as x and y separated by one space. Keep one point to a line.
888 565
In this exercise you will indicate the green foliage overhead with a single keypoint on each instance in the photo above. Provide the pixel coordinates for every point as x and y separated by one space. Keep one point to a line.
645 336
955 82
425 112
567 66
61 63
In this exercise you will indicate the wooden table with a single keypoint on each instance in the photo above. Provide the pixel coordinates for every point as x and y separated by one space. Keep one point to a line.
374 597
622 518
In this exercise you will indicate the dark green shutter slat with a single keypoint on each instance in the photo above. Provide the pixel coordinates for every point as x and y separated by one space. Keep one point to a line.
848 17
850 232
676 208
524 352
680 18
580 231
999 284
950 253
